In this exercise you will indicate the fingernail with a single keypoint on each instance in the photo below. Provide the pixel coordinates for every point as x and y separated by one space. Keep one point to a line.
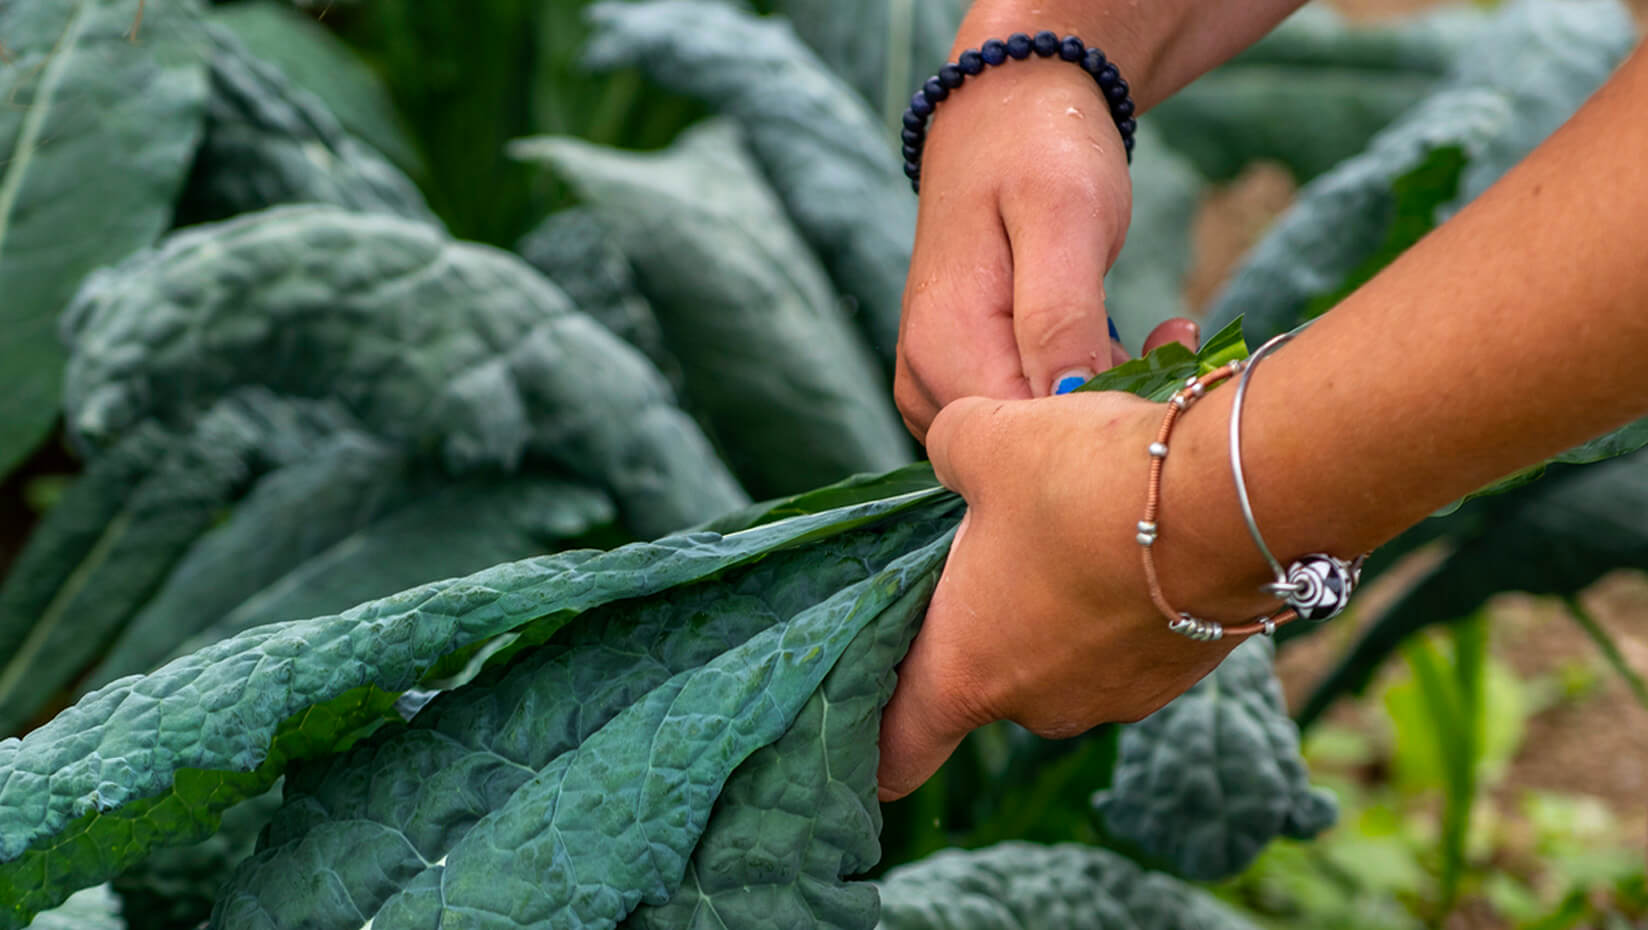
1114 334
1071 380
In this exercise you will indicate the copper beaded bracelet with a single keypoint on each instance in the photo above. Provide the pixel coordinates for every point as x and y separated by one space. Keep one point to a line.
1016 47
1315 587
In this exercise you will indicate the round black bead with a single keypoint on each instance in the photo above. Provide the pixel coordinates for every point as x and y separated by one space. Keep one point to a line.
1128 142
1128 126
1072 49
1123 110
1107 76
951 76
1047 43
1094 61
971 62
934 90
1019 46
912 170
1117 92
913 136
919 105
912 153
914 122
993 52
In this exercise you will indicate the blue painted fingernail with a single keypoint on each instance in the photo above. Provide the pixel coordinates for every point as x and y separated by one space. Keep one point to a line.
1066 385
1113 332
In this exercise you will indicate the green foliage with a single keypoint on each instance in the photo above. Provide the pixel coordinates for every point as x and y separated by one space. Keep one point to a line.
1451 737
1554 537
1146 285
883 48
574 249
268 142
326 398
90 909
176 887
1418 195
1313 92
1016 885
411 408
78 90
1543 60
1207 782
431 343
312 58
819 145
171 750
644 712
789 390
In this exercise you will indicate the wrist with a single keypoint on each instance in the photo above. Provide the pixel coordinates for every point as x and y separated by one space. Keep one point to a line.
1133 40
1207 560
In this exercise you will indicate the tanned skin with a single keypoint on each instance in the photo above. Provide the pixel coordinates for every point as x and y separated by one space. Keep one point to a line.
1515 330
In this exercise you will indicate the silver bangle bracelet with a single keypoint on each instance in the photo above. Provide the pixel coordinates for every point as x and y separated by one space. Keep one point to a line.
1317 586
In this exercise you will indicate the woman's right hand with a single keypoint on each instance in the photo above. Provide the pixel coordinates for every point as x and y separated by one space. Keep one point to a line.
1024 207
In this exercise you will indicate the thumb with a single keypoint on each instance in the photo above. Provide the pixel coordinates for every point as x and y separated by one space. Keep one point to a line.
974 438
933 707
915 738
1063 333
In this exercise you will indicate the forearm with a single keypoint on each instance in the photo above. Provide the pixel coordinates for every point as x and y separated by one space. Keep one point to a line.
1516 330
1159 45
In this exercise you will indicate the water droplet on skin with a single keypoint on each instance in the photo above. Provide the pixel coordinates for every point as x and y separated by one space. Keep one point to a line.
1075 113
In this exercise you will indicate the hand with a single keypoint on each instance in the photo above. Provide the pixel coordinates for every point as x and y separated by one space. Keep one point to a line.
1042 616
1025 204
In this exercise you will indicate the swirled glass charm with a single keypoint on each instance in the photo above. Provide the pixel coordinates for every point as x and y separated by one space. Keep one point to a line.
1322 585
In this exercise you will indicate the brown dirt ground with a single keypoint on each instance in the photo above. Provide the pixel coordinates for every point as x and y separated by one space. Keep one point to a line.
1596 744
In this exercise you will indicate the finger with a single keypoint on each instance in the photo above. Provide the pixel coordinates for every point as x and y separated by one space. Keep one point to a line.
1184 331
1060 253
956 335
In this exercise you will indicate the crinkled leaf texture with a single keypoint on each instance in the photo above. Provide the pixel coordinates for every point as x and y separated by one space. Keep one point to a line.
269 142
575 784
177 886
821 147
671 734
428 342
793 397
1207 782
1023 886
152 761
1528 69
313 58
574 249
121 528
285 474
78 90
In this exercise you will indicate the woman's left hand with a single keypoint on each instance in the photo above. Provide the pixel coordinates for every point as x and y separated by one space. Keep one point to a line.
1041 616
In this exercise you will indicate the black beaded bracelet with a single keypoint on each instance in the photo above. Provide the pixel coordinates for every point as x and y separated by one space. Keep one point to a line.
1017 47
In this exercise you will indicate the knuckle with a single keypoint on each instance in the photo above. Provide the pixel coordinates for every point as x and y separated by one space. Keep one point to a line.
1051 324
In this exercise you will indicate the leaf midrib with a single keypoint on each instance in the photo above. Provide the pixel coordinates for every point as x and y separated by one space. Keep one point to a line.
34 121
14 672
